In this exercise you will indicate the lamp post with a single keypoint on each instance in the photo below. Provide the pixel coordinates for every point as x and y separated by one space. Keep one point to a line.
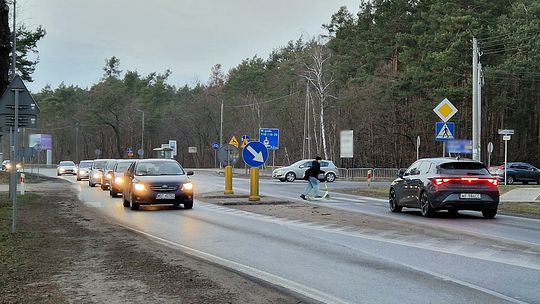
142 132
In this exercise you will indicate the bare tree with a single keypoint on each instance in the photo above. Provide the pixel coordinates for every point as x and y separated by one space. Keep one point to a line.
319 76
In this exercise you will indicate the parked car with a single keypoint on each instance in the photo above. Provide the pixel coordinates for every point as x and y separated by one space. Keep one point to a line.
6 165
85 166
434 184
66 167
98 167
519 172
157 181
106 177
117 177
298 169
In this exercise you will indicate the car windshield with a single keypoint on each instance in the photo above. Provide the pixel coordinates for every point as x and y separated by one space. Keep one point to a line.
85 164
463 168
99 164
67 163
122 166
159 168
110 165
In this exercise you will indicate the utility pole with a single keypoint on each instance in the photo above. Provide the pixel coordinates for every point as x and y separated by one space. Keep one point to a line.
221 125
15 129
77 142
479 112
142 133
475 101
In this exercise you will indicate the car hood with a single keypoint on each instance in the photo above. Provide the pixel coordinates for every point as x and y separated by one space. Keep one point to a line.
66 167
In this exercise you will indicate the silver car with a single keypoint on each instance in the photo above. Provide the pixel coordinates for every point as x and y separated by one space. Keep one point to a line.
98 169
298 169
66 167
85 166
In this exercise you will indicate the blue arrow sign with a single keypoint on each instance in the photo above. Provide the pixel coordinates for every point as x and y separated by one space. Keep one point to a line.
215 146
269 137
255 154
444 131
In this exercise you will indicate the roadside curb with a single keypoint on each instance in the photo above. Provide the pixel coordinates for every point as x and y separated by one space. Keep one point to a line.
240 199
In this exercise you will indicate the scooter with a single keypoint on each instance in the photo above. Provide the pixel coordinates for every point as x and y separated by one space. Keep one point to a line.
325 195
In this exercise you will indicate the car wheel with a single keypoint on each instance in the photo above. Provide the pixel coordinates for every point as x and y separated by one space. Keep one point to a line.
188 205
538 181
510 180
58 174
91 184
425 206
103 187
290 177
79 179
392 201
330 177
113 193
489 213
176 205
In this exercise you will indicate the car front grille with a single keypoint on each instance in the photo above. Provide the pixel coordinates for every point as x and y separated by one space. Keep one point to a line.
161 188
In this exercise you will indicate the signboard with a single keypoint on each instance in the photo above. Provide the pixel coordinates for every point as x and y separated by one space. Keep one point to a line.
506 131
228 154
192 150
234 141
172 145
444 131
255 154
461 146
215 146
140 152
507 137
346 144
45 140
269 137
445 110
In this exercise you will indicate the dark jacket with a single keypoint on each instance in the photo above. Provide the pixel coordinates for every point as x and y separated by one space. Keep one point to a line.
314 171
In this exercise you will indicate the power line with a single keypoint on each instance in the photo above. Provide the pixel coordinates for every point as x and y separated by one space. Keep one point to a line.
264 102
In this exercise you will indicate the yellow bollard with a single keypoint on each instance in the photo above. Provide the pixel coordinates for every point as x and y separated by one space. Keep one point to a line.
254 185
228 180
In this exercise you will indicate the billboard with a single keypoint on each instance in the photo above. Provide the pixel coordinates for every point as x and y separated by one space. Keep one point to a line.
44 139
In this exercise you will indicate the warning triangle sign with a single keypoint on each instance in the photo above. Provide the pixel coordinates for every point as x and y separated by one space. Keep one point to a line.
234 141
445 133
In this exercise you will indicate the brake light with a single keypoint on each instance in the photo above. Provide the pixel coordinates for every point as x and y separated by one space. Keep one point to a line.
465 181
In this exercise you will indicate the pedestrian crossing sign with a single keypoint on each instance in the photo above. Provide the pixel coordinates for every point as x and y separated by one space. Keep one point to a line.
234 141
444 131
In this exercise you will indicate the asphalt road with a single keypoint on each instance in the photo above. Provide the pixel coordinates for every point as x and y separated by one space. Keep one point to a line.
335 264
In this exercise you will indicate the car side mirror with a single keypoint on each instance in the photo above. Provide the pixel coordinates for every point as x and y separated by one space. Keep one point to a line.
190 173
401 173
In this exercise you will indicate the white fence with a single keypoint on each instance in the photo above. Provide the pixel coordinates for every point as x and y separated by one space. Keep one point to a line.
377 174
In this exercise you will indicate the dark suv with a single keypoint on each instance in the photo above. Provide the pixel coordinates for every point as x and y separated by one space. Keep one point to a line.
519 172
433 184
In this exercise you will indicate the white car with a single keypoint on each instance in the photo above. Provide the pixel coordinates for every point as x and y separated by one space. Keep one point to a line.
85 167
298 169
66 167
98 169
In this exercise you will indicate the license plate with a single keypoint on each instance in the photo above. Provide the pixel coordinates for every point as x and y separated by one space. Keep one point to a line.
165 196
470 195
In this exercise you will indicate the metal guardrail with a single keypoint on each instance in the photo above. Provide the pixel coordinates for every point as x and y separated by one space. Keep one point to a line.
377 174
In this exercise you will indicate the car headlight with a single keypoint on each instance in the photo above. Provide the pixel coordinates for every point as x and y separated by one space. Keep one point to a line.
96 175
118 180
187 187
139 187
109 176
8 166
19 166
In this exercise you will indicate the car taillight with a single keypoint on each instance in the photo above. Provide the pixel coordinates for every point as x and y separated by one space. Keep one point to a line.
440 181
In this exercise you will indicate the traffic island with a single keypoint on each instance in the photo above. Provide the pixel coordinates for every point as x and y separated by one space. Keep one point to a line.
219 198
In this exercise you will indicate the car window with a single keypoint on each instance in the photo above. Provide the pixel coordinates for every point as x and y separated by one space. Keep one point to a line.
122 166
307 164
154 168
424 167
85 164
110 165
99 164
412 170
67 163
463 168
324 164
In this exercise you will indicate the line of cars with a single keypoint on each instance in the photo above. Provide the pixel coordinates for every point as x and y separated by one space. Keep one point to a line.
138 182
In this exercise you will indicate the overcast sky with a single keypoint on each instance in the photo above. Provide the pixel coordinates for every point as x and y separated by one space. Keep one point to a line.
186 36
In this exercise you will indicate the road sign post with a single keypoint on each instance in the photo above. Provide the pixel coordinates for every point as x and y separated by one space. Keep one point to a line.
255 154
490 150
417 147
506 133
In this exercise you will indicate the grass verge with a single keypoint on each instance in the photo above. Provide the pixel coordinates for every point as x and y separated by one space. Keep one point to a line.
526 209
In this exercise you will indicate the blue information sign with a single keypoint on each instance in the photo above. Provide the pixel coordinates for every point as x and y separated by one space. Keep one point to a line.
269 137
255 154
444 131
461 146
129 150
215 146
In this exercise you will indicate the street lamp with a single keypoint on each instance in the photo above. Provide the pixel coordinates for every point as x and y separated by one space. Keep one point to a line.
142 133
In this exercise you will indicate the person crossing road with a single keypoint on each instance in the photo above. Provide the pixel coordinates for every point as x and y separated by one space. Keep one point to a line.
312 177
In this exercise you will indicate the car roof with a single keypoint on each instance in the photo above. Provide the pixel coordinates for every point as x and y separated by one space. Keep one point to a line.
87 161
147 160
443 160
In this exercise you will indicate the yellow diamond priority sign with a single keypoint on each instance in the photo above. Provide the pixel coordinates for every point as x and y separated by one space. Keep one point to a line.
445 110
